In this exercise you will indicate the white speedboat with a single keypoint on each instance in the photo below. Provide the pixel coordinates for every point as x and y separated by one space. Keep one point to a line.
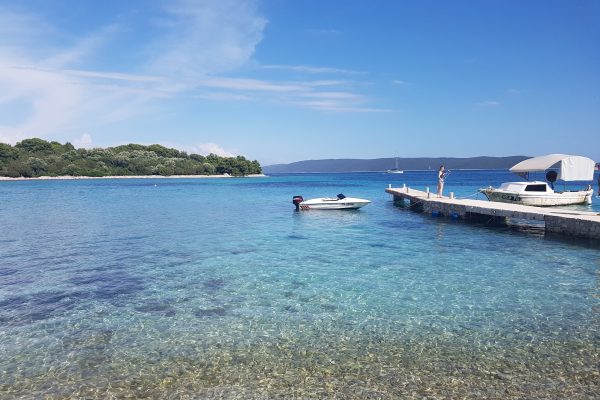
340 202
537 193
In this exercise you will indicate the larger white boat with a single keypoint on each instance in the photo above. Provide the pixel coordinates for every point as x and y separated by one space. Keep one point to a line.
537 193
340 202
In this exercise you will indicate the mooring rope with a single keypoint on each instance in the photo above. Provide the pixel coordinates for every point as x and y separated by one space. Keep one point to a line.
469 196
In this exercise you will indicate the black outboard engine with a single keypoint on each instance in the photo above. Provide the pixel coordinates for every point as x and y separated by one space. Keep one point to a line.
297 200
341 196
551 177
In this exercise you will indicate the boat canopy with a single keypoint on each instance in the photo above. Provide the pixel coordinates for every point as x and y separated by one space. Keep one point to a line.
570 168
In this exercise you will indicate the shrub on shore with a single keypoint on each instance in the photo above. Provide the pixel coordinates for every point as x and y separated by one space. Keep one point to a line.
37 157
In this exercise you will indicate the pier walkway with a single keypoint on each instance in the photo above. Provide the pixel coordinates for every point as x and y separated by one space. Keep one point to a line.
583 224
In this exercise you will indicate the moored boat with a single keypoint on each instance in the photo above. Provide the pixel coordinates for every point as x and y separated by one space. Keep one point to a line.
395 170
538 193
340 202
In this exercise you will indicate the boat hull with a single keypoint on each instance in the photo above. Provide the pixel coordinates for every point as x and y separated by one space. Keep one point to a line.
347 203
540 200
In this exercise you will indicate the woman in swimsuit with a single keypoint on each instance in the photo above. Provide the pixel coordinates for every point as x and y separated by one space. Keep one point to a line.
441 177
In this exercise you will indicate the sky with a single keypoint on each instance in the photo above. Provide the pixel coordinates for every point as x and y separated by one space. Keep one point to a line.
282 81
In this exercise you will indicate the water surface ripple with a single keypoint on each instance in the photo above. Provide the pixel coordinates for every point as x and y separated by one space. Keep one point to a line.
218 289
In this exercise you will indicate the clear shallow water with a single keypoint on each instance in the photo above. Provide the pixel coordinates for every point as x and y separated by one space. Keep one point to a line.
217 288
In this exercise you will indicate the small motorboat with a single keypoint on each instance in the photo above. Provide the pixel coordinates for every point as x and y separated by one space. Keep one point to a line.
340 202
539 193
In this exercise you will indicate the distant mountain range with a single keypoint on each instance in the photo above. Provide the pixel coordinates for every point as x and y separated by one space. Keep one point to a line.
384 164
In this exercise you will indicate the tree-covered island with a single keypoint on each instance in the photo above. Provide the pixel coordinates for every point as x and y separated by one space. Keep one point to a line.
37 157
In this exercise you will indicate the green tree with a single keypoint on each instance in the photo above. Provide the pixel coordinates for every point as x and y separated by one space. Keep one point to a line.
7 152
197 157
38 166
34 145
34 157
163 151
209 169
68 146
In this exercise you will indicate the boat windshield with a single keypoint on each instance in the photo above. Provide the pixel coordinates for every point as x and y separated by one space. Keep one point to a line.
536 188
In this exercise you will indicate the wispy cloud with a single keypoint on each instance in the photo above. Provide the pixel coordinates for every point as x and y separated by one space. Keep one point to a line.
250 85
84 141
339 107
198 42
207 37
303 94
224 96
490 104
208 148
313 70
115 76
324 31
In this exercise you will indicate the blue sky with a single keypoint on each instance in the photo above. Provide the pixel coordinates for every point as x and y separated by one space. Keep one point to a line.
282 81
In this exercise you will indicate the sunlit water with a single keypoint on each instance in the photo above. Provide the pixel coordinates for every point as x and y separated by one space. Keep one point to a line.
217 289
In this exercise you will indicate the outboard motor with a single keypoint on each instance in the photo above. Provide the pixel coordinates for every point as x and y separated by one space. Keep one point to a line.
588 198
297 200
551 177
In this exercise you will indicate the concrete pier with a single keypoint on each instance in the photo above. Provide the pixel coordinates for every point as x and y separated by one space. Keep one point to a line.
582 224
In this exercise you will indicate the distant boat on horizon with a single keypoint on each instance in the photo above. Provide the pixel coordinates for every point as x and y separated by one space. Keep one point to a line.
395 170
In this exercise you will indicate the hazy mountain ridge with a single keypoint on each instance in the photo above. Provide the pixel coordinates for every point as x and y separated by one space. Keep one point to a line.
383 164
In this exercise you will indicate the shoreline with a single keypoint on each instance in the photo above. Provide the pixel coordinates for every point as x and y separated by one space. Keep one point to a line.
69 177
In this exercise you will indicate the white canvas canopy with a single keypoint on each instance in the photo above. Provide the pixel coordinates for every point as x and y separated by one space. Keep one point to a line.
570 168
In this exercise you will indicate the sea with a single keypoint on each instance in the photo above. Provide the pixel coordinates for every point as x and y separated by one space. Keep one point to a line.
218 288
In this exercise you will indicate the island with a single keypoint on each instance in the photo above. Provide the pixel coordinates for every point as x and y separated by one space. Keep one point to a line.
384 164
35 157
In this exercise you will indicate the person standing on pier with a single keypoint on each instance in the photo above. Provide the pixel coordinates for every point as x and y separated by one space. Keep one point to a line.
441 177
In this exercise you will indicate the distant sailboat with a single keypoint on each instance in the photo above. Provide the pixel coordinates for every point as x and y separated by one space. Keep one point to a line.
395 170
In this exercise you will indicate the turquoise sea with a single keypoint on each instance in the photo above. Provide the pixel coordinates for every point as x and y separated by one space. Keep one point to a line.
217 288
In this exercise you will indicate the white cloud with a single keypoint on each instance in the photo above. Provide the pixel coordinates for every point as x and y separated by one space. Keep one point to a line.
61 97
490 103
335 95
52 98
207 37
224 96
115 76
44 69
250 85
84 141
313 70
339 107
208 148
324 83
324 31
